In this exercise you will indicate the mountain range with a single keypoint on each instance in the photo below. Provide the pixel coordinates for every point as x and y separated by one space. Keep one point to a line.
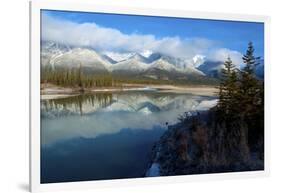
155 66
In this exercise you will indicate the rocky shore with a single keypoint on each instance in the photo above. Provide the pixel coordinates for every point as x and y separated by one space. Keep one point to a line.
194 146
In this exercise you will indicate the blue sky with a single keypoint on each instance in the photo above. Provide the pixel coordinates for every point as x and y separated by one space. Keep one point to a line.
231 35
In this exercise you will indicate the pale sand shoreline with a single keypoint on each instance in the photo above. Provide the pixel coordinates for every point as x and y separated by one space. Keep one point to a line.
200 90
55 92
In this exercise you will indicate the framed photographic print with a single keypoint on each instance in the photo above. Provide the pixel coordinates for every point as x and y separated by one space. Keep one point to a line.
124 96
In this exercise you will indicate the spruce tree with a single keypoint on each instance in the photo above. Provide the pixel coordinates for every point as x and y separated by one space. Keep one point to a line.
251 96
249 89
228 89
231 142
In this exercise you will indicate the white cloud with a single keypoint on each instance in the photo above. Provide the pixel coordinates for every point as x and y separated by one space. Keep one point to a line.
223 53
112 40
109 39
146 53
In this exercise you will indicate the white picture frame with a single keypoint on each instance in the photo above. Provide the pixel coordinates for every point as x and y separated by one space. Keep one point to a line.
36 6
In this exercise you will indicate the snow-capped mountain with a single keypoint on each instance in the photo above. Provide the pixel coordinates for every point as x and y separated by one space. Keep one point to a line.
198 60
181 65
211 68
164 70
60 56
81 56
146 63
155 66
54 48
51 50
177 62
174 64
139 57
118 57
134 64
108 59
162 64
146 53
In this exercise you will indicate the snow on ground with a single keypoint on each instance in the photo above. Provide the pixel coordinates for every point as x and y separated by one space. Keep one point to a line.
153 171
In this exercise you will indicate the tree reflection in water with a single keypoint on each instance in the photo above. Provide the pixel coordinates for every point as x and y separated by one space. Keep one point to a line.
78 101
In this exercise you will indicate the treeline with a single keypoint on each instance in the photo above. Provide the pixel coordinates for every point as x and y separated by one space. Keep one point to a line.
86 78
75 77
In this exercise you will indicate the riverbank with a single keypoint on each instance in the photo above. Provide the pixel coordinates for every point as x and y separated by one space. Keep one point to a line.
50 91
194 146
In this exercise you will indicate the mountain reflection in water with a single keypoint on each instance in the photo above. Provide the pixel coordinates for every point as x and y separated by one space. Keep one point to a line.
107 135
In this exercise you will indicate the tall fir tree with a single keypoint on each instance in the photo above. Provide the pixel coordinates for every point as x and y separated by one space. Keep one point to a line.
251 97
228 89
228 123
250 85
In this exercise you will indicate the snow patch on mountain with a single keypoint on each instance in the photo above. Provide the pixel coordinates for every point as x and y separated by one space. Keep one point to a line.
198 60
139 58
116 56
162 64
81 56
146 53
136 63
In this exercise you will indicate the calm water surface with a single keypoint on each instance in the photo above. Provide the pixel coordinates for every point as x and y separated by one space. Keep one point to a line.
107 135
